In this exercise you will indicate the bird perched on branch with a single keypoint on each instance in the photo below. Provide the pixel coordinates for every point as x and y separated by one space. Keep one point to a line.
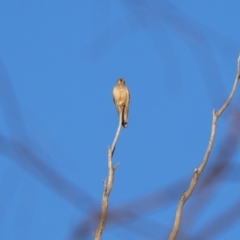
121 98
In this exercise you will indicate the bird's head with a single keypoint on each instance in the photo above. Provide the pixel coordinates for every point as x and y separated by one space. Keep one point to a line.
121 81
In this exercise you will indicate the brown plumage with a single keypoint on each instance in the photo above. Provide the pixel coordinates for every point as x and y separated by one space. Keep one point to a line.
121 98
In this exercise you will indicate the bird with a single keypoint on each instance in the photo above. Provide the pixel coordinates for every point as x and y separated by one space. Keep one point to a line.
121 99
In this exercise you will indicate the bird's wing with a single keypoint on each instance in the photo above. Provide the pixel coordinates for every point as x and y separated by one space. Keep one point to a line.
128 96
115 94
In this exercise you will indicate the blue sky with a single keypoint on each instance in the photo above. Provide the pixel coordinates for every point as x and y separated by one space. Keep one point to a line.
59 61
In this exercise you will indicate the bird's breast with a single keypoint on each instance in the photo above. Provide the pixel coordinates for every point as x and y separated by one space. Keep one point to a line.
122 97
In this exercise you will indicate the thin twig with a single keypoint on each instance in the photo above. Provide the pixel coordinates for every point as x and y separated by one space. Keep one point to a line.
108 184
198 171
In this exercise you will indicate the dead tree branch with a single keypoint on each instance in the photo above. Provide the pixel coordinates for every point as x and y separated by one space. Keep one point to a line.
199 170
108 183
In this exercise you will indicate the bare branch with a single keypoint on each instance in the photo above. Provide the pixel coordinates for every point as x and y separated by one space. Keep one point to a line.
198 171
108 183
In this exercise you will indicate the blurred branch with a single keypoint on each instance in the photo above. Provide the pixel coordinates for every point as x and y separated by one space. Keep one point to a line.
162 16
18 147
29 160
220 223
222 169
108 183
133 210
199 170
122 216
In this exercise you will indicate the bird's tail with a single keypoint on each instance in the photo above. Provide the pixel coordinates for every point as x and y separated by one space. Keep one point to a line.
124 119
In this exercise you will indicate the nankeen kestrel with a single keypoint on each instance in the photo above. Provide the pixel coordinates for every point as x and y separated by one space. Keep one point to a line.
121 98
